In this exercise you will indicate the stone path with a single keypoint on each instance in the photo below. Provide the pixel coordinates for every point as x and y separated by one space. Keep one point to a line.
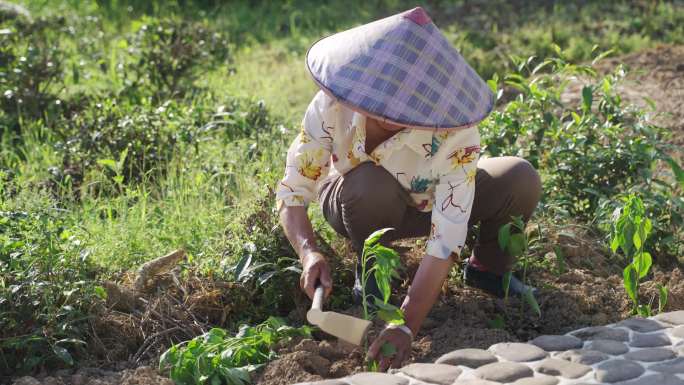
637 351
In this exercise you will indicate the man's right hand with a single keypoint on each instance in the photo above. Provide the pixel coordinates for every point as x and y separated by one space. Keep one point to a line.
315 269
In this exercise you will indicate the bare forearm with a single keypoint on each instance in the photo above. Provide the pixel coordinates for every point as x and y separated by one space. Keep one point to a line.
424 290
298 230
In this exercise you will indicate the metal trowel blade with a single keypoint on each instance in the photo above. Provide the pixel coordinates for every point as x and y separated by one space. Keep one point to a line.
342 326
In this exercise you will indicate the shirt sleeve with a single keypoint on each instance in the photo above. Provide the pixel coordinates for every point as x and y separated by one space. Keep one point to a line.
456 165
308 158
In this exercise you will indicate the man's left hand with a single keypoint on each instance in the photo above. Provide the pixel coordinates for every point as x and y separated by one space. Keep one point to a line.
402 349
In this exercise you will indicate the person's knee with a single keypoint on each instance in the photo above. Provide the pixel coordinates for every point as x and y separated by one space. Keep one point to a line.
526 184
526 177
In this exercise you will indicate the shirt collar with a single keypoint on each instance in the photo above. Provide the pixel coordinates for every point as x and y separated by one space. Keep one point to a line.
420 141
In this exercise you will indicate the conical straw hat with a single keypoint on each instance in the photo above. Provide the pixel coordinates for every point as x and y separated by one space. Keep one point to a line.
401 70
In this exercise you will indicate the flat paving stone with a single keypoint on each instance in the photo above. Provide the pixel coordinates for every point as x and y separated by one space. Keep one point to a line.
584 357
642 325
650 355
618 370
472 358
602 333
674 317
542 380
503 371
652 340
677 332
518 352
475 382
608 346
675 366
557 342
563 368
654 379
368 378
337 381
435 373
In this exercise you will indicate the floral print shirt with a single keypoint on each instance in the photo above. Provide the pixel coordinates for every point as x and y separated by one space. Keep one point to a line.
436 168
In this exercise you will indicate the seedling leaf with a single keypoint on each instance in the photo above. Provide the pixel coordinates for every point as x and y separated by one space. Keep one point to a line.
507 283
630 279
375 237
504 235
528 296
389 313
642 263
662 298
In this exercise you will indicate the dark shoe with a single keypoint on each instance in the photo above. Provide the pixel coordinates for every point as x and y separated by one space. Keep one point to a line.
371 288
493 284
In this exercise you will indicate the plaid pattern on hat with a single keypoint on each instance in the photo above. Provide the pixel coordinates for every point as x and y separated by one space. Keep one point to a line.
403 70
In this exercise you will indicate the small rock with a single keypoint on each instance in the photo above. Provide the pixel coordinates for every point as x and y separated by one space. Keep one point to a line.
557 342
518 352
434 373
503 371
541 380
659 379
475 382
472 358
675 366
642 325
618 370
652 340
677 332
608 347
563 368
650 355
674 317
601 333
376 379
584 357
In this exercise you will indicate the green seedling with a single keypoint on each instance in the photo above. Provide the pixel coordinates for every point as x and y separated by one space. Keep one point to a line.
514 241
384 264
631 229
219 358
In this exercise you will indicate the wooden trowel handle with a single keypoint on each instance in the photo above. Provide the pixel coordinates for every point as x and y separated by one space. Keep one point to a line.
317 303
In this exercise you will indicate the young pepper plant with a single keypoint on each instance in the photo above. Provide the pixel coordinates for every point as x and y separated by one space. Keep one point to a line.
383 263
514 241
631 229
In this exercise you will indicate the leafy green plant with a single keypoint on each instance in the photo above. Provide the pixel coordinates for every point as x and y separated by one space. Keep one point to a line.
513 239
383 262
219 358
169 53
631 228
47 290
31 60
595 146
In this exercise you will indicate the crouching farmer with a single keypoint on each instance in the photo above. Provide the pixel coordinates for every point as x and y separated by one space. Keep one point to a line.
390 140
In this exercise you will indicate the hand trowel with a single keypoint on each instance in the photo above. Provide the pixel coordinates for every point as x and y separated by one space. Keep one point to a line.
342 326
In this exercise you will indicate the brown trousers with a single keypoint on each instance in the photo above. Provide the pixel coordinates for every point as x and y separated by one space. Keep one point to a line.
369 198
